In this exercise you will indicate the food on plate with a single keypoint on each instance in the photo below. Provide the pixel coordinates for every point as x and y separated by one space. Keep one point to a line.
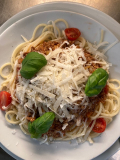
59 86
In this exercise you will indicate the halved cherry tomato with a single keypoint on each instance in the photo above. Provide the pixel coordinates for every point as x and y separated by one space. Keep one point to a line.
5 99
106 89
99 126
72 33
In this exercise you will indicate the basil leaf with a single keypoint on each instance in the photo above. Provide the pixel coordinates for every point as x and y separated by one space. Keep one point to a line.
41 125
96 82
31 128
31 64
36 135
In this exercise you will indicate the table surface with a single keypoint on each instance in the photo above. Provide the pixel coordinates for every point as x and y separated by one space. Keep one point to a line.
9 8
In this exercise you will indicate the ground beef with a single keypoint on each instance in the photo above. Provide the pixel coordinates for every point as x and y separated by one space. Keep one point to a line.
45 47
89 57
86 112
82 112
56 128
93 66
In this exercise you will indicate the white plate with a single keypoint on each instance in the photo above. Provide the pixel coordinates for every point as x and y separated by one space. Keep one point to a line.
28 148
103 18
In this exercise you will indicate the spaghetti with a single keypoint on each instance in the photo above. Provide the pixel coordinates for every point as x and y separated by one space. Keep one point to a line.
60 85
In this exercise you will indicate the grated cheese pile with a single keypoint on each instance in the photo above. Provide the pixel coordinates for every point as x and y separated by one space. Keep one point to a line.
60 84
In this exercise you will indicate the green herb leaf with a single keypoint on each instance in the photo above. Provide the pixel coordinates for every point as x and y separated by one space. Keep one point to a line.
31 128
96 82
41 125
31 64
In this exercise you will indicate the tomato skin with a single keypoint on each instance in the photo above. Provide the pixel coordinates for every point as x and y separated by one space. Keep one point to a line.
100 125
72 33
106 89
5 99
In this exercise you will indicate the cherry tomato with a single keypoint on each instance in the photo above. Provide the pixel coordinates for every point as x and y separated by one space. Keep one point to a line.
106 89
5 99
72 33
99 126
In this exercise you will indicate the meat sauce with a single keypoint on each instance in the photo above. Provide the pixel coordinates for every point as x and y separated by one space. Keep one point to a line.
93 66
82 112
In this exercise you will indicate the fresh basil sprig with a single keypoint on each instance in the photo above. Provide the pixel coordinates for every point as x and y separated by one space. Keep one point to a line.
96 82
31 64
41 125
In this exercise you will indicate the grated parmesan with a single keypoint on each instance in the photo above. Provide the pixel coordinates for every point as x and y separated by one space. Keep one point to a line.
59 84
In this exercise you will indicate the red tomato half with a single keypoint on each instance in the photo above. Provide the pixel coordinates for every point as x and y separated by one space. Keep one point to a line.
5 99
72 33
106 89
99 126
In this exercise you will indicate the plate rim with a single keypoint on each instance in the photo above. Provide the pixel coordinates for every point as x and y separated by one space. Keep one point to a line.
58 11
50 3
